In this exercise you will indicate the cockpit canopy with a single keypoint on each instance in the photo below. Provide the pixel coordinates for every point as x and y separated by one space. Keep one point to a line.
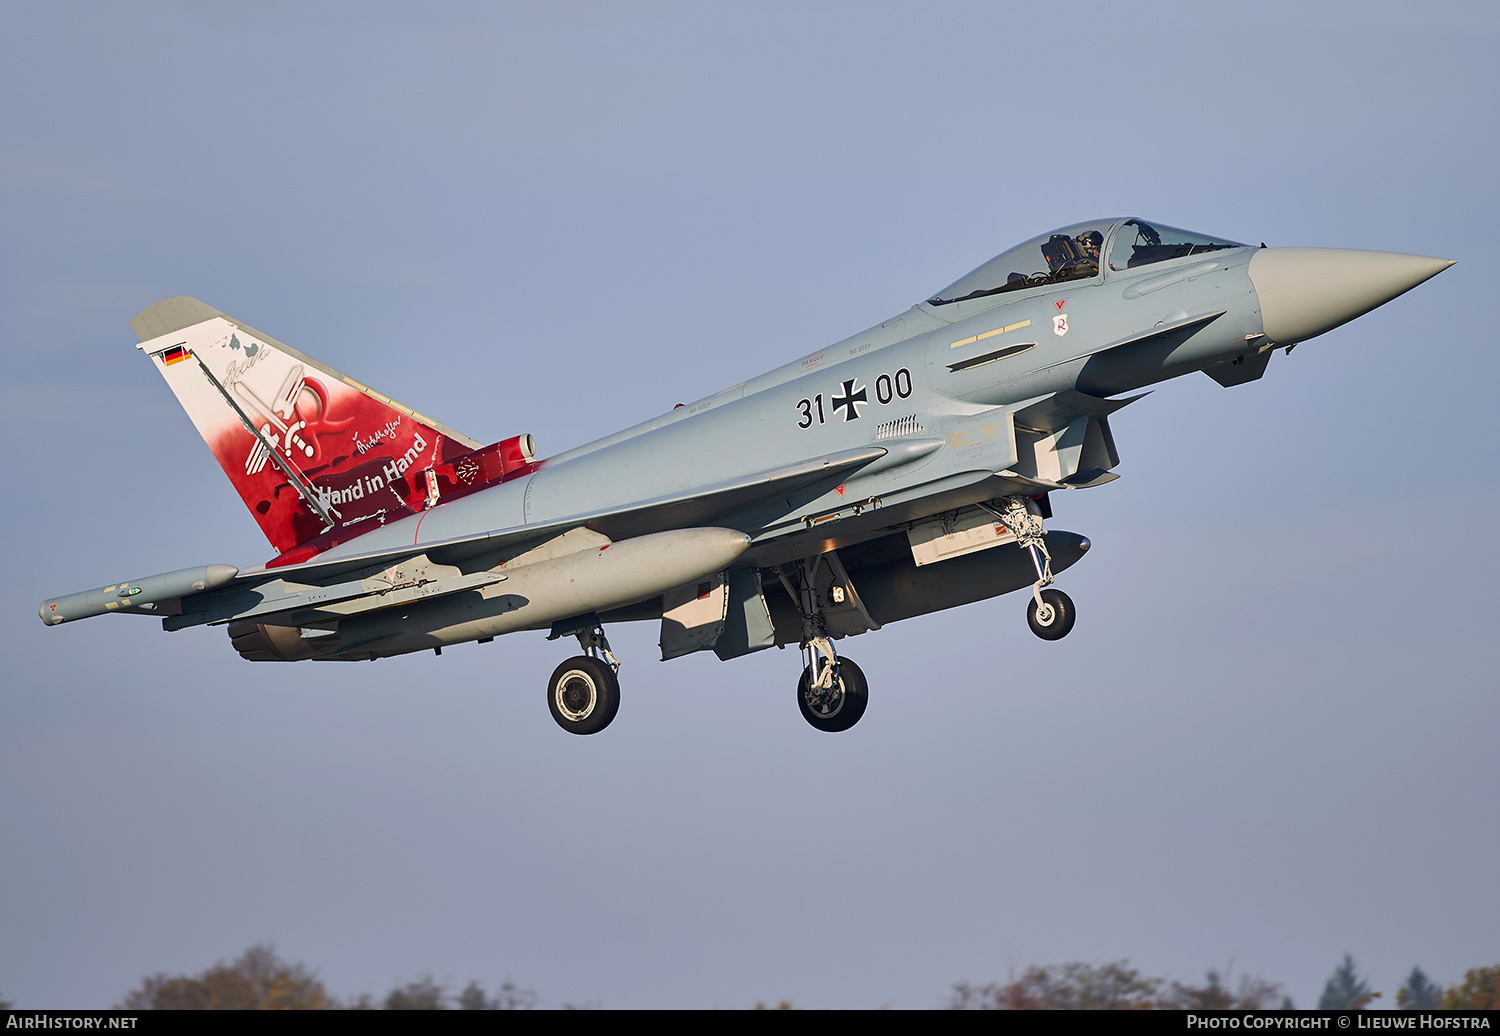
1075 253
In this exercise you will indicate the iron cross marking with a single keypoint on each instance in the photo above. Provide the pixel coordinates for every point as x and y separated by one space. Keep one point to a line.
851 399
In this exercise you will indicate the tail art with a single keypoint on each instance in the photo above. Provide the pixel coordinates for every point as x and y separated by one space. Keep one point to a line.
316 456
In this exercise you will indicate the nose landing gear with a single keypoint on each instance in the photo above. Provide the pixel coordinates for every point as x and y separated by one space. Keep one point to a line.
1051 613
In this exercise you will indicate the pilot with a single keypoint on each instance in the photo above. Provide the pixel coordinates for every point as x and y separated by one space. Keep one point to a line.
1090 244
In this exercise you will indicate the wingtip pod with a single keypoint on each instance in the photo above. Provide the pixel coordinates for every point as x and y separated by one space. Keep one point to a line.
136 594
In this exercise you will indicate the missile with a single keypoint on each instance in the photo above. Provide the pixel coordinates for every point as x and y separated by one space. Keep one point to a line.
136 594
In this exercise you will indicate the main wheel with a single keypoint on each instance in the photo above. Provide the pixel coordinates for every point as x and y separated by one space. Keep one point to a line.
583 695
1054 618
839 707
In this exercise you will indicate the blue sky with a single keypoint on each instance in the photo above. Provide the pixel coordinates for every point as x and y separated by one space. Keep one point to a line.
1268 742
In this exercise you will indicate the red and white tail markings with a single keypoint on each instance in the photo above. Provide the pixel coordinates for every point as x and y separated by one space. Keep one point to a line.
315 456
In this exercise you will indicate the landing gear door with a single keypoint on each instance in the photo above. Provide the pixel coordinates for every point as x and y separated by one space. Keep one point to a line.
693 616
747 626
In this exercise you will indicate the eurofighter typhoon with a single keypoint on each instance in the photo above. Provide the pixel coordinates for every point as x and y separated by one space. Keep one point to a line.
907 469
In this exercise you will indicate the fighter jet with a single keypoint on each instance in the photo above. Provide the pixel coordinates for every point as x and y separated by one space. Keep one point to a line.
906 469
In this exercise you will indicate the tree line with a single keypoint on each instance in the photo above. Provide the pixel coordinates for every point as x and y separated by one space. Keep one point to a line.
1118 987
260 980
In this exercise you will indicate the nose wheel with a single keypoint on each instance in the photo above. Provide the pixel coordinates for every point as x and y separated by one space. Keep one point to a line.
1050 614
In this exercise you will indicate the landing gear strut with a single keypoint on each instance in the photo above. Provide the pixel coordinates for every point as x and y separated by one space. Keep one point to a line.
1051 613
832 691
584 692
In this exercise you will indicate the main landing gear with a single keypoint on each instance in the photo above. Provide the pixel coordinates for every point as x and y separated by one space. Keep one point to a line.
1051 613
835 698
832 692
584 692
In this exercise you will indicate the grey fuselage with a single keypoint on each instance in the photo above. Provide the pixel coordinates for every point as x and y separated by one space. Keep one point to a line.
884 455
938 423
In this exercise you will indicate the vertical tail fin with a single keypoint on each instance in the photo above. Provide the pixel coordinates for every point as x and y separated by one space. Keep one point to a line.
309 450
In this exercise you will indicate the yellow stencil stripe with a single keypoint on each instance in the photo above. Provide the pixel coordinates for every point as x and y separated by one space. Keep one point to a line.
990 334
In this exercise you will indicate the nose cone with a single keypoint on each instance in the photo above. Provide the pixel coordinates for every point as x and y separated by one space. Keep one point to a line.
1306 291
